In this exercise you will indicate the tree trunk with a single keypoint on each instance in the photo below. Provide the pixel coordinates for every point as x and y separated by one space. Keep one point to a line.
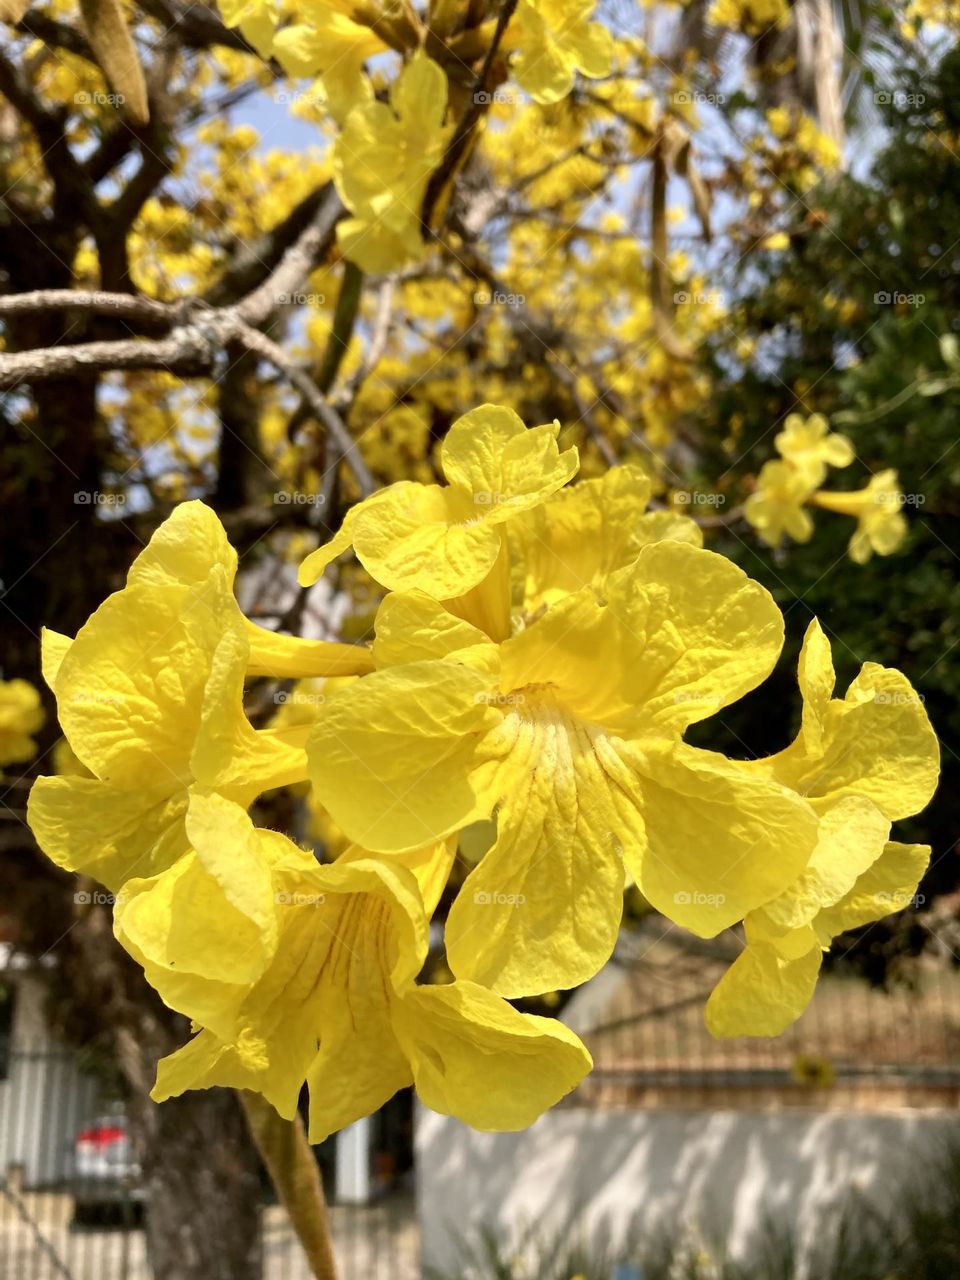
203 1187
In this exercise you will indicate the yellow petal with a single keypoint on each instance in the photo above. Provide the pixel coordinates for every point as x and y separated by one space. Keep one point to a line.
505 467
140 663
541 911
817 682
391 756
53 649
851 838
876 742
476 1058
887 886
183 550
83 824
412 627
703 843
762 993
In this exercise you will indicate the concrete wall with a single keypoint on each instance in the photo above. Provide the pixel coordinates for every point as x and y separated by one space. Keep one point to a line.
623 1175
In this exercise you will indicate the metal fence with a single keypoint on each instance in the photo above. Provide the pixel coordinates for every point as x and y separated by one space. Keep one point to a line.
75 1212
856 1046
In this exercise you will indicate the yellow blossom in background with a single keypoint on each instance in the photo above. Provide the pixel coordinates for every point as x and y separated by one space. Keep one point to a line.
257 20
777 506
554 39
383 159
751 16
878 511
331 45
810 446
21 715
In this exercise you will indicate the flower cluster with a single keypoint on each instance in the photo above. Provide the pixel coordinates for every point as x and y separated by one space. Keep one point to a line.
788 486
386 151
539 652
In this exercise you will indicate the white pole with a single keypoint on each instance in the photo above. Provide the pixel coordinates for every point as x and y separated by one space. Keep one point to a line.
353 1163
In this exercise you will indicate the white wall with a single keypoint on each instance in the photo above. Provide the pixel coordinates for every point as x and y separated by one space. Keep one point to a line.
624 1173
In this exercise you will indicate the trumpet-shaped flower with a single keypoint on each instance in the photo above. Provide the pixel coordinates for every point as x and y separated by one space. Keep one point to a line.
554 40
776 507
587 532
382 162
862 762
445 539
21 715
331 44
878 511
300 972
570 732
150 699
810 446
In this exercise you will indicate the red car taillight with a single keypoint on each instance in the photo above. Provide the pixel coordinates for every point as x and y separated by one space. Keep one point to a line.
100 1137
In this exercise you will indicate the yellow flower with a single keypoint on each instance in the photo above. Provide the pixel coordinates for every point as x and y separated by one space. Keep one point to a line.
21 715
299 972
862 762
588 531
382 162
752 16
570 733
776 507
257 20
554 40
878 511
333 45
446 539
810 446
150 699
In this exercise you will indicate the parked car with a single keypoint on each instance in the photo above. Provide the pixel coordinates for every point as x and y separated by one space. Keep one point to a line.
106 1175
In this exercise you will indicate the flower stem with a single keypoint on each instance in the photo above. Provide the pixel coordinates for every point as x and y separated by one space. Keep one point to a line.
296 1177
